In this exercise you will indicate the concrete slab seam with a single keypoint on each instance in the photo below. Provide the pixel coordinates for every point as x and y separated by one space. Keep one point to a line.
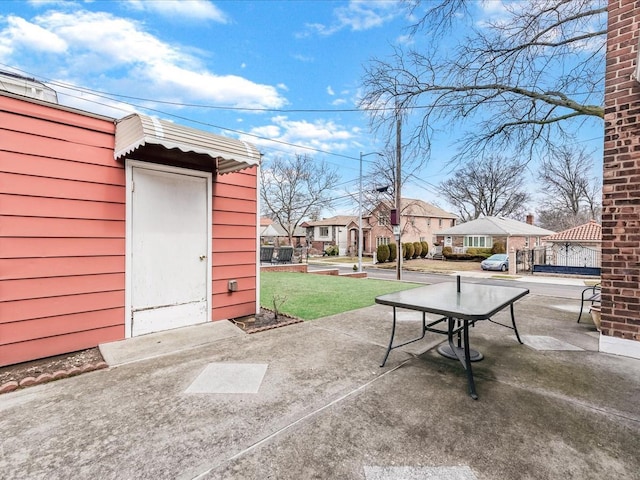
173 352
349 335
300 420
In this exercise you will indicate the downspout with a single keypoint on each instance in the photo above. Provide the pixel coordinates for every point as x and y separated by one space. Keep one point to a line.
258 209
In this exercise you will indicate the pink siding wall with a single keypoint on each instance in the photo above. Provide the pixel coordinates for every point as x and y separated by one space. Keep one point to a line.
234 243
62 232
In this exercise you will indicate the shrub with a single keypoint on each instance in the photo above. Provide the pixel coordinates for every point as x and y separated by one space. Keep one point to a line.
393 252
383 253
425 249
480 253
417 249
499 247
463 256
408 250
447 252
332 250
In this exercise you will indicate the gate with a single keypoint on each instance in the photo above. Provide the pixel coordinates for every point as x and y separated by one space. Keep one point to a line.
524 261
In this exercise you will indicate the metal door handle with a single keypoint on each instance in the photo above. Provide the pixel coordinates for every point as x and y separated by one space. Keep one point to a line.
202 257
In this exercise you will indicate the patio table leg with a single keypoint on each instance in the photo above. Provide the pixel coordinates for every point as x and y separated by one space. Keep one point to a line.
513 321
470 381
393 332
465 358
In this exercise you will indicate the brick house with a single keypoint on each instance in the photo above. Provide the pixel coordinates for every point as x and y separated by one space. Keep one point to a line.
419 221
621 183
483 232
115 228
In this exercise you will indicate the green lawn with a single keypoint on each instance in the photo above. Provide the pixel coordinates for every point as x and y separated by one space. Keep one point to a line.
311 296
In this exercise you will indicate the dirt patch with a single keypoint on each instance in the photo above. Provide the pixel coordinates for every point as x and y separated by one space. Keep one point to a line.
265 320
50 368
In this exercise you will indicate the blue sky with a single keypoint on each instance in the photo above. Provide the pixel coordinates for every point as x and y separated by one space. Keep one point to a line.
288 71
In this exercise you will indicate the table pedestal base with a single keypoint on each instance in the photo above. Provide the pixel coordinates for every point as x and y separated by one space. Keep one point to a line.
445 351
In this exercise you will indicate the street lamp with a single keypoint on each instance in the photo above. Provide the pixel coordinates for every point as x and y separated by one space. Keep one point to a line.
362 155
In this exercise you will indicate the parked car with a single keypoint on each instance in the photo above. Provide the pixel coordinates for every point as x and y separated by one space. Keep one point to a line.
499 261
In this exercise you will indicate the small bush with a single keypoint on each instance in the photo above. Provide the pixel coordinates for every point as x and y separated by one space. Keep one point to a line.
447 252
393 252
425 249
408 250
479 252
383 253
498 247
463 257
417 249
332 250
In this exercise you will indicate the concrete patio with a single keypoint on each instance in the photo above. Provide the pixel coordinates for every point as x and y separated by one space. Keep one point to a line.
310 401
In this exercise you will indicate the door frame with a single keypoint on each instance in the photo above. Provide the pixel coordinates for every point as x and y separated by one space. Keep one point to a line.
129 166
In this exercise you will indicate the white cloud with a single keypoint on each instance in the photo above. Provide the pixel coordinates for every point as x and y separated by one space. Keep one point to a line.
330 91
303 58
405 40
23 34
320 134
221 89
190 9
357 15
118 51
114 39
493 6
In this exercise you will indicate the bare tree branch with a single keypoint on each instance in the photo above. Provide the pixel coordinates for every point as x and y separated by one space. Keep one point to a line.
296 188
570 195
492 187
521 81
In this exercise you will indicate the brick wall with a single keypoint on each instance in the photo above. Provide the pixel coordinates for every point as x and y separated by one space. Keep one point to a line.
621 180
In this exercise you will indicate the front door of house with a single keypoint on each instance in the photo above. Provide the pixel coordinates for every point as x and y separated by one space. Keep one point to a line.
169 259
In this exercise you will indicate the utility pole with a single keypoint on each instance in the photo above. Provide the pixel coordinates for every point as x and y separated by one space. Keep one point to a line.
398 190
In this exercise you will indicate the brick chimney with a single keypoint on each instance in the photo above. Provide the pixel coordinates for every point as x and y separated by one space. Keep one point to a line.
530 219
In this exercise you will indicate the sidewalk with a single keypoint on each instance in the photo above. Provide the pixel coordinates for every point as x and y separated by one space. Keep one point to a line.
537 278
554 280
310 401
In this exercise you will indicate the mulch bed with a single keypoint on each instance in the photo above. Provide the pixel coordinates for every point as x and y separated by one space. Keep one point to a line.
48 369
265 320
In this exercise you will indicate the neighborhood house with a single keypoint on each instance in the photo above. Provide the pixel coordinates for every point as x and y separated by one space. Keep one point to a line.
484 232
419 222
112 229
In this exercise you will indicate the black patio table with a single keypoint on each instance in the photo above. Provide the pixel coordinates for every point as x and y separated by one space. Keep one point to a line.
461 305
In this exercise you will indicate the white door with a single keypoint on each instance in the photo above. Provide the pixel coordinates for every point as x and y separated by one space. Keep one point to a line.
169 250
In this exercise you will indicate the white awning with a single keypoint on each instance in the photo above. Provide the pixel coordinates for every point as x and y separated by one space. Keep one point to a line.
136 133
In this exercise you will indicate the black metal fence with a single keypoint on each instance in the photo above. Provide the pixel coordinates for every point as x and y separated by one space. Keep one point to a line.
560 258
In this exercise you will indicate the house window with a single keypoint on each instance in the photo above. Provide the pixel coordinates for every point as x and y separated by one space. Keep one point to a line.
383 218
428 221
478 241
382 241
440 222
324 231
